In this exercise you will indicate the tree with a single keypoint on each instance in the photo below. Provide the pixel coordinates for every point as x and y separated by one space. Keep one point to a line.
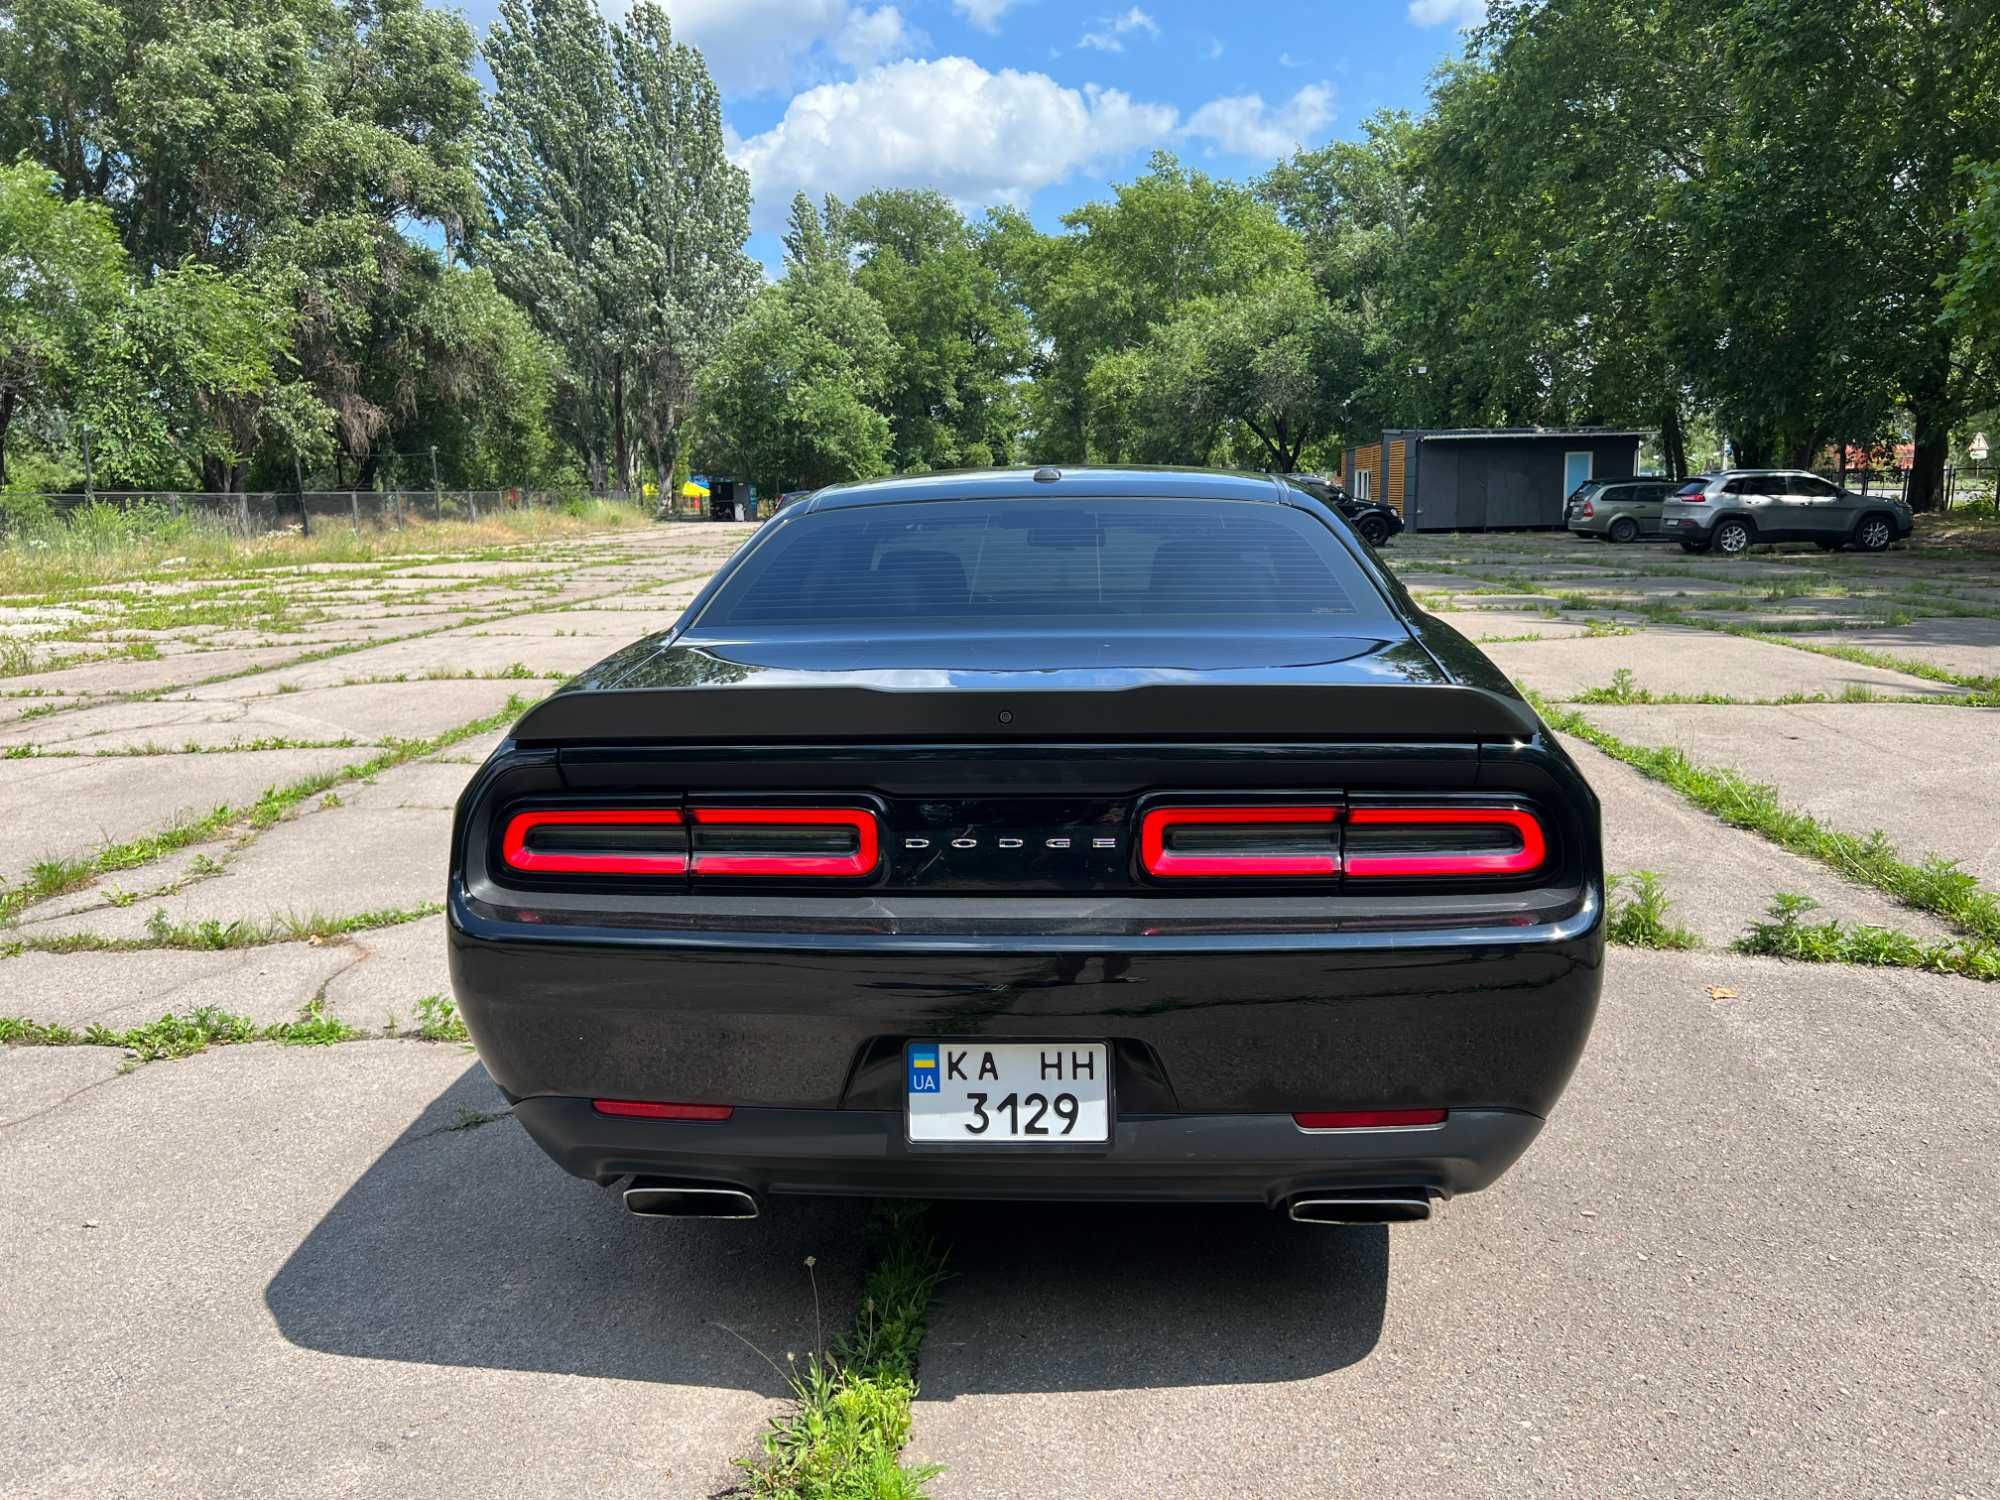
618 221
61 270
791 397
960 344
180 376
681 276
1163 242
292 141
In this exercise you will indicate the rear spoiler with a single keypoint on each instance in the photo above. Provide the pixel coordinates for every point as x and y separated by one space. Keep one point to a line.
816 713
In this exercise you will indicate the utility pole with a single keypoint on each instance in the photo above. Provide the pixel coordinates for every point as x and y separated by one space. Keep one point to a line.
89 479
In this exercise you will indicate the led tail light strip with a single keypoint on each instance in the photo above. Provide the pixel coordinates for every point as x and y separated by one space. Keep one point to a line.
1245 827
712 825
573 853
1438 857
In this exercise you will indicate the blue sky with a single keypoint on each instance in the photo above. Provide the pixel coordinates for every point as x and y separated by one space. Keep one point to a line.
1043 103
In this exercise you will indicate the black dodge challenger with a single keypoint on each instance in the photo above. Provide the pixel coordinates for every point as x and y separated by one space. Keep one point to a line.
1107 834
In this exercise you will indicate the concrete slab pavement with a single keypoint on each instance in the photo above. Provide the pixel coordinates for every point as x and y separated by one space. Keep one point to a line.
67 807
1753 1254
1927 777
1967 644
1692 662
1719 878
270 1270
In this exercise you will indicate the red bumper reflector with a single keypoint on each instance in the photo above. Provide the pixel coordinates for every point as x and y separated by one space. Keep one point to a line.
1529 857
514 844
646 1109
862 861
1366 1119
1158 859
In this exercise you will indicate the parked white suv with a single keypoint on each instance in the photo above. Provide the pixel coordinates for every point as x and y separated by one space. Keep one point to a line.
1731 510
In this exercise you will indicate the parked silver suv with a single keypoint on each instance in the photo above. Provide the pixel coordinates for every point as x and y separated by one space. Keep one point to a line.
1731 510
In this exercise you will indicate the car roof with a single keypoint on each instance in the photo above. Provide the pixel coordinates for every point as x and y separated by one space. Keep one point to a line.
1079 481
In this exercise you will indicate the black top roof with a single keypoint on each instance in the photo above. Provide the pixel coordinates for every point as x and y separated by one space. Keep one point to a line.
1137 481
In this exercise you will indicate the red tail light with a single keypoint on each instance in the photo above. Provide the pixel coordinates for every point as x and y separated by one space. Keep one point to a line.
597 841
775 841
1589 510
1240 841
1443 841
646 1109
1367 1119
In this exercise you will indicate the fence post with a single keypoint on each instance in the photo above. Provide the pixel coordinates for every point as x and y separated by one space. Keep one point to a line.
472 503
354 503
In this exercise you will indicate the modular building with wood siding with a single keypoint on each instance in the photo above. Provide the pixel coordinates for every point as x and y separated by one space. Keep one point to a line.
1486 478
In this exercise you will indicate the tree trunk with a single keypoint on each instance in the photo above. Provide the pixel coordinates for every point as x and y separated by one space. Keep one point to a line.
1673 439
364 477
6 421
621 444
1753 450
1933 434
214 475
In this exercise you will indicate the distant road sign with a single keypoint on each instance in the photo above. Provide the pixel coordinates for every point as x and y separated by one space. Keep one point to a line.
1978 450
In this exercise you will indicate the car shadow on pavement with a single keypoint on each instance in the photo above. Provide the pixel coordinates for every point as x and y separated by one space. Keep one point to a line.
462 1244
1077 1297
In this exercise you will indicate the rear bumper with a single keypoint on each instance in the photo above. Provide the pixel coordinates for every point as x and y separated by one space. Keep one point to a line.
1215 1042
1250 1158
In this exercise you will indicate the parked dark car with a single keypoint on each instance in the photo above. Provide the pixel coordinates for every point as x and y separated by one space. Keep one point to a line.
1738 507
1376 522
1618 509
1102 834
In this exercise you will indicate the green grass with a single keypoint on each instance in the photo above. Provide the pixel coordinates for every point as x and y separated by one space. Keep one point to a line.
212 934
1638 916
1786 935
438 1020
844 1438
1937 885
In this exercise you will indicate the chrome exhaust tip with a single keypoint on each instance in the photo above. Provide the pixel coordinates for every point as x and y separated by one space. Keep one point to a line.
1374 1208
676 1200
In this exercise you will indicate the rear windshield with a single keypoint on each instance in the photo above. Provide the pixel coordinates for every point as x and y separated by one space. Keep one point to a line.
1128 562
1692 487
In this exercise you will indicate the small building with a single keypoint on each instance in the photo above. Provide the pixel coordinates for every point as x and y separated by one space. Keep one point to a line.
1486 478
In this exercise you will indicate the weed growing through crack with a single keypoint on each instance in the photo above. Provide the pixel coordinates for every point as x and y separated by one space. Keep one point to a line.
1785 934
851 1413
438 1020
1638 917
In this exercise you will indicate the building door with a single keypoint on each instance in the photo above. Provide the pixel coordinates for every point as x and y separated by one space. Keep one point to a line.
1576 469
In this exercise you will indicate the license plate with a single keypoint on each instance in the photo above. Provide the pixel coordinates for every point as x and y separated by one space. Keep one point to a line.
1009 1093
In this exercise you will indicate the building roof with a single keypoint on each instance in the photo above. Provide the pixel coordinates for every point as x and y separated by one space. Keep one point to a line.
1473 433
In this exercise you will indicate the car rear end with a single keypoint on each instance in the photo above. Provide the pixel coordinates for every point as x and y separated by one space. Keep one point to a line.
1580 511
947 906
1690 511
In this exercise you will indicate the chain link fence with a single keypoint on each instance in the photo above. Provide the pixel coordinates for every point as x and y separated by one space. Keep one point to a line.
311 511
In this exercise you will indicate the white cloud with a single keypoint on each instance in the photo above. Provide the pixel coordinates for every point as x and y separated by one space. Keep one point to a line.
1244 125
759 46
1286 60
1116 28
1214 49
947 123
1465 13
985 14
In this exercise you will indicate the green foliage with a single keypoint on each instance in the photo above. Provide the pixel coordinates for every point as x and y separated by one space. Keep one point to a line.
1638 916
438 1020
958 343
1786 935
852 1404
617 219
792 397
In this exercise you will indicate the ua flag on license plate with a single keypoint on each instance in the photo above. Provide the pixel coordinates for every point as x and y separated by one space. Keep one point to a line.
923 1070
